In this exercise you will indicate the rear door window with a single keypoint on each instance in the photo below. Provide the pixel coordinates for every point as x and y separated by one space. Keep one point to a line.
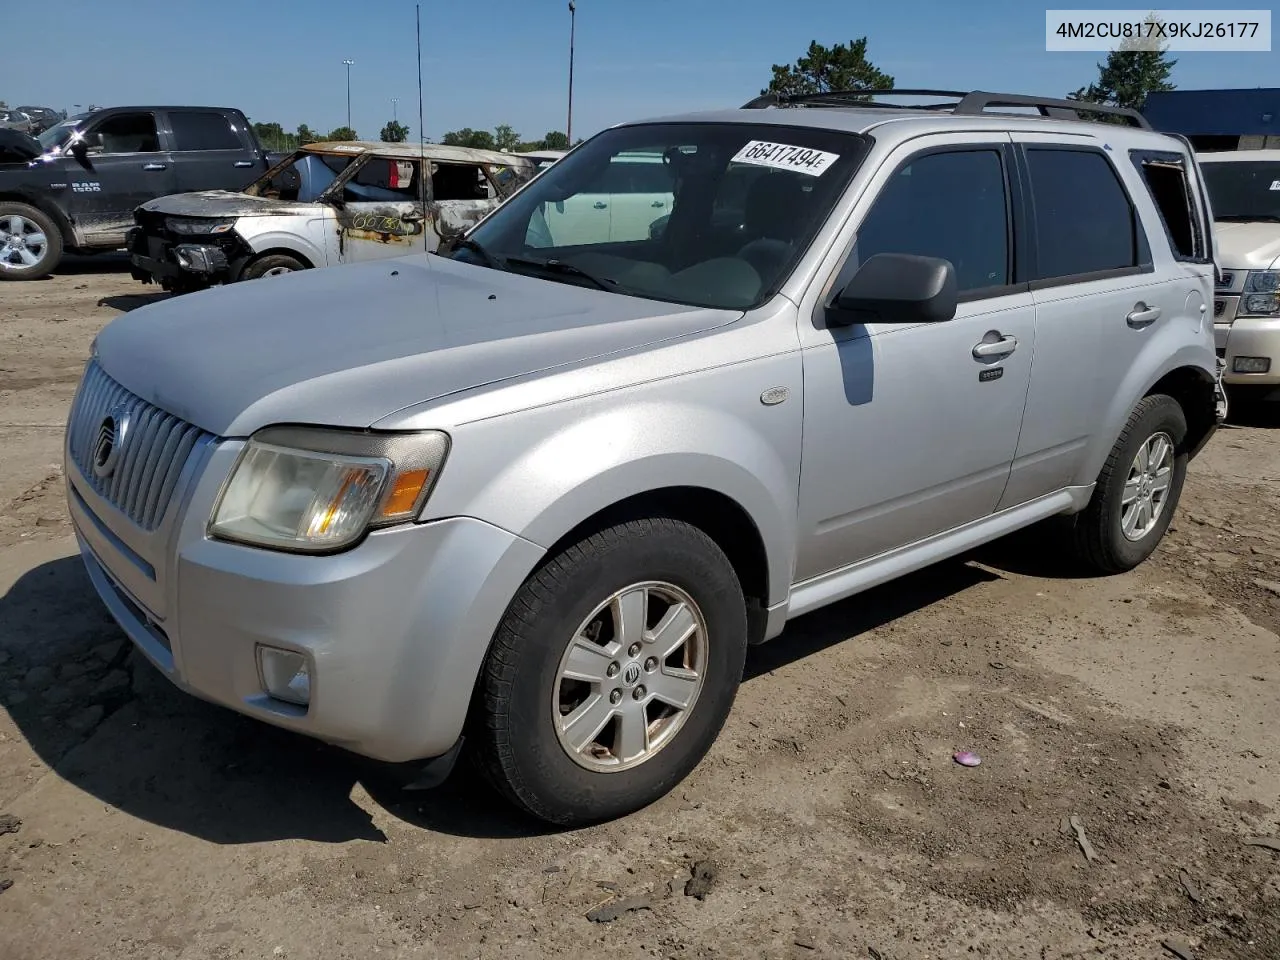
202 130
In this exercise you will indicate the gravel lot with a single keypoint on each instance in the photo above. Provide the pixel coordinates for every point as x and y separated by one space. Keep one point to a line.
829 821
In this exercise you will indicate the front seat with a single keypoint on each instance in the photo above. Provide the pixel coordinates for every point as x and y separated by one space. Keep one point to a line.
773 213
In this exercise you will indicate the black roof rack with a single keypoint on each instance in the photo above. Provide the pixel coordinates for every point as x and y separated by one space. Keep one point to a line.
975 103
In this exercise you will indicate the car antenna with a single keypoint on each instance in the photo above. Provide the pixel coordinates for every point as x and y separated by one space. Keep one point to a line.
423 164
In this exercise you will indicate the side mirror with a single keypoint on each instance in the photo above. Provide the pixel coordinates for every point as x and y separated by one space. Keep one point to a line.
897 288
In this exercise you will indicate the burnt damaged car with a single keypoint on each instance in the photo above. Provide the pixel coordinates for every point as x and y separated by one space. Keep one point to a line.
323 205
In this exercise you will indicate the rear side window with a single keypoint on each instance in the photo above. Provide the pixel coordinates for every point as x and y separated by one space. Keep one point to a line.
1169 183
1084 220
950 205
203 130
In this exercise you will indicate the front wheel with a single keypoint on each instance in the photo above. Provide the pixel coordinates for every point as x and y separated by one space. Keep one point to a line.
30 243
272 265
1137 490
612 672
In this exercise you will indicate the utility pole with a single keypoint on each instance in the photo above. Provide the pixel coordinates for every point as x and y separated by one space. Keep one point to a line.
348 63
573 11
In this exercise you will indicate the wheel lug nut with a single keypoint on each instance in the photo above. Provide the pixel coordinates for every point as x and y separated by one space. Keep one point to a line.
635 648
615 696
639 692
613 669
651 664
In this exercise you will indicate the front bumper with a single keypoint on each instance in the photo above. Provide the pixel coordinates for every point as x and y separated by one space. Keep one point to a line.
1244 344
394 631
163 259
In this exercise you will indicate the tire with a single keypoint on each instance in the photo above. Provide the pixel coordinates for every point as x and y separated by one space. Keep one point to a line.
20 225
1099 536
272 265
523 701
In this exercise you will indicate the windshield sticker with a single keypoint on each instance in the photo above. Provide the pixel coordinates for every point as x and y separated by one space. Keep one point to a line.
1275 184
782 156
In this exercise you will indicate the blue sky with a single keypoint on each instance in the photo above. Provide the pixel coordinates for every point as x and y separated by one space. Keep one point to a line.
507 62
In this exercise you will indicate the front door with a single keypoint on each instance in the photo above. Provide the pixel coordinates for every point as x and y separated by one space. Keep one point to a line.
209 152
910 430
122 168
382 211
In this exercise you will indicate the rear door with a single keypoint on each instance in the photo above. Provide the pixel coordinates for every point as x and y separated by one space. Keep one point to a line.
1101 298
461 195
124 166
643 192
211 151
583 218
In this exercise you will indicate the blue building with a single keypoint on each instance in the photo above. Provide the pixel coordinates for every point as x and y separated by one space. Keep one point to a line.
1244 119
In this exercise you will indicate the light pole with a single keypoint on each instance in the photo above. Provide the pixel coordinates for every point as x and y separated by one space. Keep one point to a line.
394 117
573 11
348 63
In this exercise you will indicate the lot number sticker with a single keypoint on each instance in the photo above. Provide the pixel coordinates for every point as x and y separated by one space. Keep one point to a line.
1275 184
783 156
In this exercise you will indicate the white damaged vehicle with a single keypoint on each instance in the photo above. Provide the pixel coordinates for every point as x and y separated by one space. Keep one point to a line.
324 204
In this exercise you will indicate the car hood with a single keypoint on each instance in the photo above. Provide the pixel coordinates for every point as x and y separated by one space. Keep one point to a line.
349 345
224 203
1246 246
18 147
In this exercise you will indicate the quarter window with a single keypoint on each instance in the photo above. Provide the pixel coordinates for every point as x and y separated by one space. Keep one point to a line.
949 205
202 130
1084 220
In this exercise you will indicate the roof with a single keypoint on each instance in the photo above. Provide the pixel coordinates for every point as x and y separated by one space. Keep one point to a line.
907 122
414 151
1239 156
1237 112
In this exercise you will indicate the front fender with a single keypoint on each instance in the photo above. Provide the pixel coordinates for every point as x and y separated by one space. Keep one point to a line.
539 479
305 237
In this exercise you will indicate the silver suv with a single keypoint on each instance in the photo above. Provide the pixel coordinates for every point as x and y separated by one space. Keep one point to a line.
542 498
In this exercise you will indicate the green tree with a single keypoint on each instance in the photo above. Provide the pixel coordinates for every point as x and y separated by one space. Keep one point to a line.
394 132
1136 68
839 67
271 135
555 140
466 137
306 134
342 133
505 137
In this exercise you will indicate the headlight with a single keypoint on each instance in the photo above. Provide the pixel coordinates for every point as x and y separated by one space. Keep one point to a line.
1260 304
194 227
1262 281
319 491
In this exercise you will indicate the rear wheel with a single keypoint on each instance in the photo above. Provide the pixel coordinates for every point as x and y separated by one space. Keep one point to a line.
612 673
272 265
1137 490
30 243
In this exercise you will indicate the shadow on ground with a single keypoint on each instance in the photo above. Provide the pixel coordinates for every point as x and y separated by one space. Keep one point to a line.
101 716
74 266
132 301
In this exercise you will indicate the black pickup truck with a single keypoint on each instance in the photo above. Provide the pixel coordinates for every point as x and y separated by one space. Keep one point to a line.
75 187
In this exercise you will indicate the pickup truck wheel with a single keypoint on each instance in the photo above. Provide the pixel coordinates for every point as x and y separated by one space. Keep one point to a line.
272 265
612 672
30 243
1137 491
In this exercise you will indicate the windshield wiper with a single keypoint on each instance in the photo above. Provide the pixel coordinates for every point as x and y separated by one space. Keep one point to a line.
466 243
567 269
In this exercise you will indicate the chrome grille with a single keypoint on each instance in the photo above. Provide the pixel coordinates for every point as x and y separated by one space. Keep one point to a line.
154 447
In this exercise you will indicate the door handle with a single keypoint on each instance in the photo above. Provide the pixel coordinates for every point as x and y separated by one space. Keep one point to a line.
244 163
600 205
154 166
657 203
1141 315
995 348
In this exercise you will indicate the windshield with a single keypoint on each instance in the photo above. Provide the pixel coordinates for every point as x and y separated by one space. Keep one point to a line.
705 214
300 177
1244 189
57 135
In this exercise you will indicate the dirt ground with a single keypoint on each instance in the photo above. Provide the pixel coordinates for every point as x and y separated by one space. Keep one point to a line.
830 819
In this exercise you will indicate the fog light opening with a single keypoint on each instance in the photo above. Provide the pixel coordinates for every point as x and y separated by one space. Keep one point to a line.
285 675
1250 364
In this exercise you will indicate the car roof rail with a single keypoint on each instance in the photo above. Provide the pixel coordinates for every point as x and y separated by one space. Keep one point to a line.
972 104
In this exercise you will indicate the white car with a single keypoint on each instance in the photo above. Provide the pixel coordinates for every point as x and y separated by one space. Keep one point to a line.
325 204
1244 191
625 197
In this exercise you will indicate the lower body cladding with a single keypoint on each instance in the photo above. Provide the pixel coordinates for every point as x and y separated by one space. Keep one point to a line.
1249 348
375 650
179 265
